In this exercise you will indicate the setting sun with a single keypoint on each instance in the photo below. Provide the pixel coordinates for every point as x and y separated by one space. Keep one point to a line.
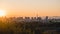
2 13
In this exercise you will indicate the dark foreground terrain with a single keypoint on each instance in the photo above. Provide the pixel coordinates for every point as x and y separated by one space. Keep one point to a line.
29 28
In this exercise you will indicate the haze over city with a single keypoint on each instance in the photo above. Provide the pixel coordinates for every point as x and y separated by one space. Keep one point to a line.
30 7
29 16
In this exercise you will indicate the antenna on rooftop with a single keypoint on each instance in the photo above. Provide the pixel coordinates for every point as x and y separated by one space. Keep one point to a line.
37 13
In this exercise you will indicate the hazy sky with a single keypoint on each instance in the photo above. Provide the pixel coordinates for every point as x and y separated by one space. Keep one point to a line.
31 7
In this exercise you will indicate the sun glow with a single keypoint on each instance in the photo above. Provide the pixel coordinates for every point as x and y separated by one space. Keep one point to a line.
2 13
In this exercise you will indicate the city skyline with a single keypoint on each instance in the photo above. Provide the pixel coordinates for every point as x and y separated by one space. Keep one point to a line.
30 7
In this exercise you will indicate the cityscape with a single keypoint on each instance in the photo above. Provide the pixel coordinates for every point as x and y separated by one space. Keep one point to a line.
31 19
29 25
29 16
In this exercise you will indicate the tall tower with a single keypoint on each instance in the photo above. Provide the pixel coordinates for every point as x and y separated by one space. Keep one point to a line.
37 14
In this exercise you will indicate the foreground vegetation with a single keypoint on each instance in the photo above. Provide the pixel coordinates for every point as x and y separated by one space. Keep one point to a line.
13 27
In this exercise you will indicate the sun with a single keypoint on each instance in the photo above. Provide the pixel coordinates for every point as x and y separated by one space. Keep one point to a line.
2 13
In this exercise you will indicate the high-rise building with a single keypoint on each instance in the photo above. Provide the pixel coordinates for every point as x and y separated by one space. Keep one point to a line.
27 19
38 18
46 18
34 18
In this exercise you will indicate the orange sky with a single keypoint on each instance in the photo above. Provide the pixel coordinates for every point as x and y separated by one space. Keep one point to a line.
31 7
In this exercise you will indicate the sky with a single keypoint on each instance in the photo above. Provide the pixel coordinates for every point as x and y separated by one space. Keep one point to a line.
31 7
